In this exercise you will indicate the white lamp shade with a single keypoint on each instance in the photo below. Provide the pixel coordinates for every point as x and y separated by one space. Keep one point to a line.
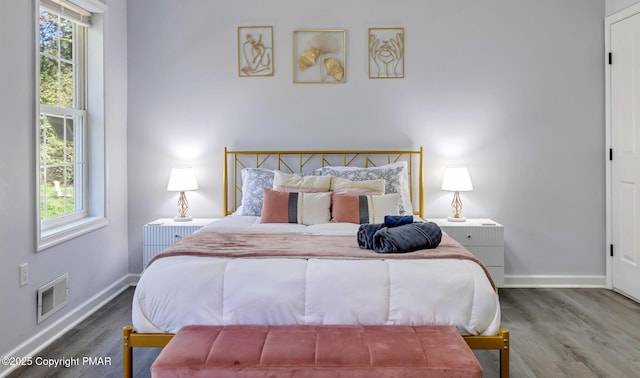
182 180
456 179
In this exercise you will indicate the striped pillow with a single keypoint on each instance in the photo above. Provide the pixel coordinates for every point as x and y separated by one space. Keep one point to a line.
363 209
295 207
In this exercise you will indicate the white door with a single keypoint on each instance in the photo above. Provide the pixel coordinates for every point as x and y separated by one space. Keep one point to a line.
625 164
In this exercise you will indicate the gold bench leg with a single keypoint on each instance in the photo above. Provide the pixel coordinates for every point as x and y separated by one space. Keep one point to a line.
132 339
504 353
127 353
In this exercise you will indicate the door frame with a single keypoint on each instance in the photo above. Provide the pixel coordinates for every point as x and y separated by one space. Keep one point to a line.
608 22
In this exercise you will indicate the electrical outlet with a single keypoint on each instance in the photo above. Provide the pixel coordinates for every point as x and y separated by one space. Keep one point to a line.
24 274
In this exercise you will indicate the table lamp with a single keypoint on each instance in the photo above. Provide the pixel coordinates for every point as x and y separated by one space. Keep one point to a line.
456 180
182 180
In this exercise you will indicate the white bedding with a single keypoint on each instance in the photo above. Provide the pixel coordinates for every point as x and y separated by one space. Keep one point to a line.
181 290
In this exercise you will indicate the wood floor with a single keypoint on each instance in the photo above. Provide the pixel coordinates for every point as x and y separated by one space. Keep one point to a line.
554 333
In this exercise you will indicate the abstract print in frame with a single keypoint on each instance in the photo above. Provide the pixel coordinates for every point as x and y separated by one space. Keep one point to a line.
255 51
319 56
386 53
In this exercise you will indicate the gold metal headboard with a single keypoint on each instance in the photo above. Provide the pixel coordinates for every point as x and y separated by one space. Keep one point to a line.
300 161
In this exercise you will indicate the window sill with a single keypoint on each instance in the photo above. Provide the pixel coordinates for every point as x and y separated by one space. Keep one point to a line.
68 231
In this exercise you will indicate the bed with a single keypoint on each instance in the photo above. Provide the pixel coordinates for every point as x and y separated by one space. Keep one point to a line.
253 267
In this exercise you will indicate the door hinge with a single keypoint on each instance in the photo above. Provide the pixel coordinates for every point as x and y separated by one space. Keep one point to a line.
611 250
610 58
611 154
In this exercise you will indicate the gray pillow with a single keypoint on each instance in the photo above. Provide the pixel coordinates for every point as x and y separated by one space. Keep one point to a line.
254 181
395 175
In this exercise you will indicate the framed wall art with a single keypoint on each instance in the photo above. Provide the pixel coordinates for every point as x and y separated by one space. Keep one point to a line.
319 56
386 53
255 51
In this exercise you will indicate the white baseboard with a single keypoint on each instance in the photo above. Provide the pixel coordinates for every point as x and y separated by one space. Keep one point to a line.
554 281
42 339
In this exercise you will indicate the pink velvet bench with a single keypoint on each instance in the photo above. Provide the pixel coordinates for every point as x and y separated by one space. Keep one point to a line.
316 351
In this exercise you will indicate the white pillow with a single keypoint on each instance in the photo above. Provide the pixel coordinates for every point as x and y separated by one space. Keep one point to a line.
341 185
286 182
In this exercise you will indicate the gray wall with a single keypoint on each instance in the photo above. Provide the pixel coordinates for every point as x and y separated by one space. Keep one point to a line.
512 89
95 261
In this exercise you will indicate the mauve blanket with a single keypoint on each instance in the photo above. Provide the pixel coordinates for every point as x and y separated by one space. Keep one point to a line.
244 245
407 238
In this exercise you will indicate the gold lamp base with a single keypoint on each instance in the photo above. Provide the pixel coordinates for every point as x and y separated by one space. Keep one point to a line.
456 207
183 207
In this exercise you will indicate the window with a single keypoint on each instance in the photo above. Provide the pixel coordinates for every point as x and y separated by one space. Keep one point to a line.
68 203
62 114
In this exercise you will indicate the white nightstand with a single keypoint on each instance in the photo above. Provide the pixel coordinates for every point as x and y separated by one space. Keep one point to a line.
484 238
163 232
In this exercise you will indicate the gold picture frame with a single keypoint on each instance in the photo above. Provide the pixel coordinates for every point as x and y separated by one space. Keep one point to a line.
319 56
255 51
386 53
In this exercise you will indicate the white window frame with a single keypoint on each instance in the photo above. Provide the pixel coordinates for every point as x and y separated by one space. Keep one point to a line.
80 186
91 215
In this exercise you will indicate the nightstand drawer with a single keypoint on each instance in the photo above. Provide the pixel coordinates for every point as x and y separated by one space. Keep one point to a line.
477 236
149 251
490 256
162 233
482 237
166 236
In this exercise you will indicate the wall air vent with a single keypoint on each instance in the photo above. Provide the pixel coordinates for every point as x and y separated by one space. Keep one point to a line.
52 297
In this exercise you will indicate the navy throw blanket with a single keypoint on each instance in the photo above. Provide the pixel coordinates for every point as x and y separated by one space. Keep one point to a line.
407 238
365 234
397 220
